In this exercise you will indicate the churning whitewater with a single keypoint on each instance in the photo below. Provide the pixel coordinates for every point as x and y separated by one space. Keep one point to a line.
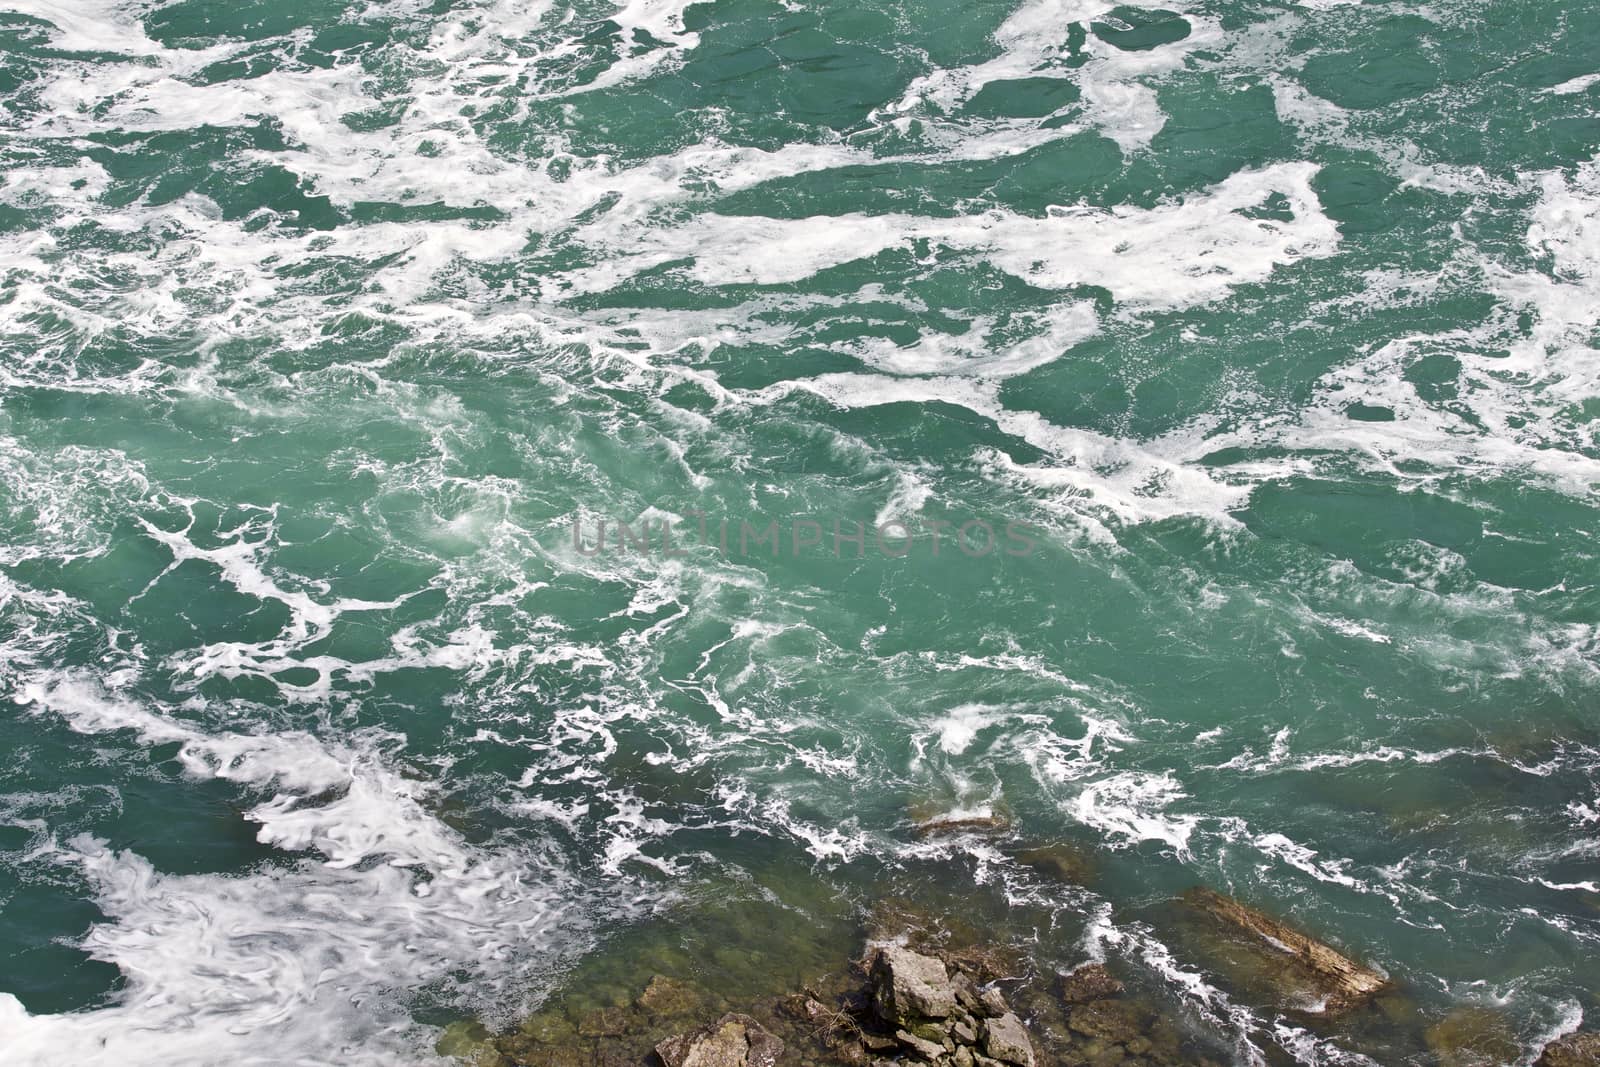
324 325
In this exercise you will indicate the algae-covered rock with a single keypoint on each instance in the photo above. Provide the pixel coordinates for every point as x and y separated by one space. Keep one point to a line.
1114 1022
1089 982
908 986
604 1022
470 1044
1574 1050
665 996
1473 1037
1061 861
734 1040
920 1046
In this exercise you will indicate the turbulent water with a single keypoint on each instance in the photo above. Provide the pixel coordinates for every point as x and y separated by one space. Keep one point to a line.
332 334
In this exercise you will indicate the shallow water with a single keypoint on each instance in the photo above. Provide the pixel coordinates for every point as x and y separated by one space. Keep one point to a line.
1273 327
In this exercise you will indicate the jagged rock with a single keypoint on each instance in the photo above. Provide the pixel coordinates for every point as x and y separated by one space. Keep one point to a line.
1574 1050
877 1042
1005 1038
668 996
962 1057
1089 982
1473 1037
993 1002
908 986
967 994
922 1047
1338 981
734 1040
964 1032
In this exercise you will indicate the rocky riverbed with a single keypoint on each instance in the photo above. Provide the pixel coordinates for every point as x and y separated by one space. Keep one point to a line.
921 989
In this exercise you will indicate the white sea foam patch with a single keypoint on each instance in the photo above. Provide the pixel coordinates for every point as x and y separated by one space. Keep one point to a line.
1117 97
1131 806
305 963
1089 474
1526 384
1574 85
1174 255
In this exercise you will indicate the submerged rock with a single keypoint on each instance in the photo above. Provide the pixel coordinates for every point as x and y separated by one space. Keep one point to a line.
1089 982
470 1044
1061 861
992 823
908 986
734 1040
1574 1050
1473 1037
668 996
1113 1022
1337 982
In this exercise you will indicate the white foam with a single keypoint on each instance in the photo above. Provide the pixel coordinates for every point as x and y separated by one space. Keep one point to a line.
1574 85
1117 99
1175 255
305 960
1131 806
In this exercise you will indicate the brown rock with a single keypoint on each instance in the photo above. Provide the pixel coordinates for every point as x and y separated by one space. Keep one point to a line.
808 1009
1574 1050
734 1040
1089 982
1339 981
961 824
851 1054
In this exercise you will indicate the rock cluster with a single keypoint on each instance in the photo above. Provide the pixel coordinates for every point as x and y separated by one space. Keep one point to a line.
936 1014
734 1040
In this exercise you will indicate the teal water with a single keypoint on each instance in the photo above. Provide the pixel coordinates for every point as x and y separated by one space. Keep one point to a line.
321 324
